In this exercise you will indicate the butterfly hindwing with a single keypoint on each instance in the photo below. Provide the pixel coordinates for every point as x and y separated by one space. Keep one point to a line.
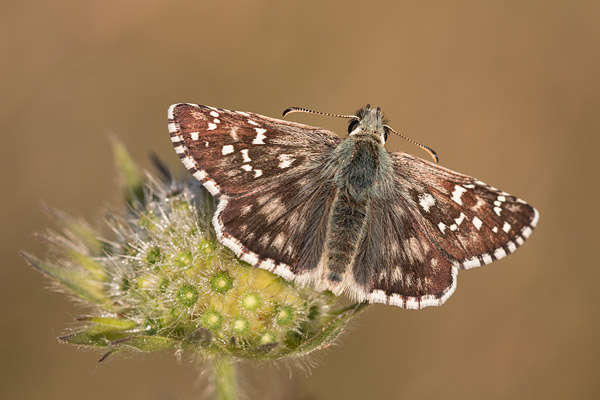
281 228
397 263
234 153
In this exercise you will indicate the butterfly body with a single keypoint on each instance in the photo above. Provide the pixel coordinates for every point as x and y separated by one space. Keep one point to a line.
344 215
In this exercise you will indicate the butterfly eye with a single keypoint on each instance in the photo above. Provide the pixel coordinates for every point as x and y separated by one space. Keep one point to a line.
352 125
385 135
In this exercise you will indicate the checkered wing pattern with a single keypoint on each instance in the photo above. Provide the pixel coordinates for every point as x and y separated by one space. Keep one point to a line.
434 222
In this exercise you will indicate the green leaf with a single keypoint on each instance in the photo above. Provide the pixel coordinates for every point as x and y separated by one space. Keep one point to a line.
79 283
84 338
101 333
146 343
89 264
74 227
111 323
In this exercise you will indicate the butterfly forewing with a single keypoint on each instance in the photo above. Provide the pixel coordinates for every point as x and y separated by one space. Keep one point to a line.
472 222
274 193
234 153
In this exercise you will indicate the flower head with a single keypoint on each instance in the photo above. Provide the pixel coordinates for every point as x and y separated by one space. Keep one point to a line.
160 280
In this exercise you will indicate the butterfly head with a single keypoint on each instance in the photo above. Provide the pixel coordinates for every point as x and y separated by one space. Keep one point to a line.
369 121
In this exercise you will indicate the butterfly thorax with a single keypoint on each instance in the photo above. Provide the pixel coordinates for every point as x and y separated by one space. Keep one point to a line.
363 160
361 163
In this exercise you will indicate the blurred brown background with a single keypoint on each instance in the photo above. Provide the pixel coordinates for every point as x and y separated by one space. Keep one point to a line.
505 91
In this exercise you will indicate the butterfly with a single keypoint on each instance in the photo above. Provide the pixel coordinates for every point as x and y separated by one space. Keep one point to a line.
344 215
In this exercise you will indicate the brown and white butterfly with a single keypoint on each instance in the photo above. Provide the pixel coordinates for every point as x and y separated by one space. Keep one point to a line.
344 215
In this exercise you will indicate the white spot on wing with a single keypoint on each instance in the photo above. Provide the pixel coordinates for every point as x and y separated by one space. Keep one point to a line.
175 139
499 253
211 126
200 175
460 219
442 227
246 167
283 271
260 136
228 149
497 210
458 192
506 227
426 201
472 262
214 114
477 222
257 173
212 187
179 150
285 160
245 155
279 241
252 122
195 135
188 162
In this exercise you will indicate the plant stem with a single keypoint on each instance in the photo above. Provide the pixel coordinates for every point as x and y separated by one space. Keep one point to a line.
225 380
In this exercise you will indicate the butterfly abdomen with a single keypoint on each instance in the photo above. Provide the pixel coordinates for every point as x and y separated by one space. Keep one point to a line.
345 229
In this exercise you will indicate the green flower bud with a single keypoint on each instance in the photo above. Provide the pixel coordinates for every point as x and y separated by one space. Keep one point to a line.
212 319
221 282
187 295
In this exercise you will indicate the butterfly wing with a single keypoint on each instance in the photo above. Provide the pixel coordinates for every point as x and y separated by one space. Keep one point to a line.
282 228
268 175
233 153
472 222
436 221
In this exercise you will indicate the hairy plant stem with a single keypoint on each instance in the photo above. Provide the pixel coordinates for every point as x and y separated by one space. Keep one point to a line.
225 379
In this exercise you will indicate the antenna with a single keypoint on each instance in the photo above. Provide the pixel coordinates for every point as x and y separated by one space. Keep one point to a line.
304 110
429 150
